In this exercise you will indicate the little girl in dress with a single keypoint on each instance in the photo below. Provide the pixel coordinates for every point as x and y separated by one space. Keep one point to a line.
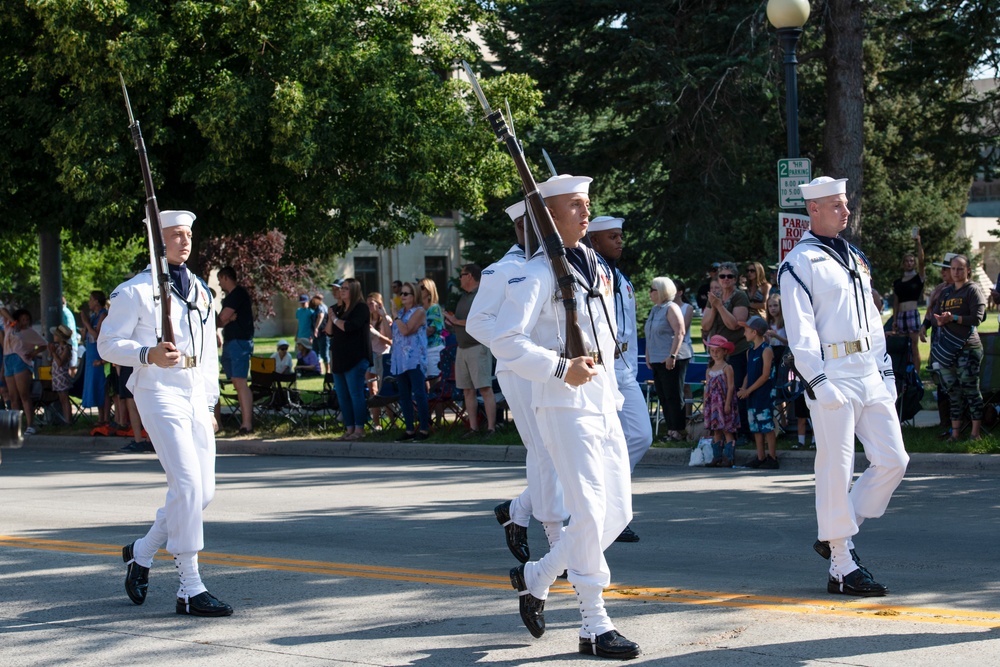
722 415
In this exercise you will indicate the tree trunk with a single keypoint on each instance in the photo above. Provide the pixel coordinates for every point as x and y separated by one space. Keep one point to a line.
843 138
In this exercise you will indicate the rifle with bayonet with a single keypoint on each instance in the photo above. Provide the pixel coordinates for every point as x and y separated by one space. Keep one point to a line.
154 229
551 241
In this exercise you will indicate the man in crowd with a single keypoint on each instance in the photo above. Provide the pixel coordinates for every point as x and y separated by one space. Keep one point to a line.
236 320
473 362
605 233
835 333
576 402
175 387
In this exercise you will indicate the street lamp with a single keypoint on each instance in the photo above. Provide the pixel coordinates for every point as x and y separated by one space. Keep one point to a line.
788 16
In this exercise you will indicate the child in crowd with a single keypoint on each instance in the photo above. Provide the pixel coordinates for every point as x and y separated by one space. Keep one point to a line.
61 354
722 414
756 391
282 359
777 338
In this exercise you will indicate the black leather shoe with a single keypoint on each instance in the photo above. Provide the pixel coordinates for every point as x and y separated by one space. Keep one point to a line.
627 535
610 645
136 576
517 536
858 582
823 549
203 604
532 609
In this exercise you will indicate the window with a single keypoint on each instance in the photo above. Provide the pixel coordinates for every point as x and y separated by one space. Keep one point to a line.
436 268
366 272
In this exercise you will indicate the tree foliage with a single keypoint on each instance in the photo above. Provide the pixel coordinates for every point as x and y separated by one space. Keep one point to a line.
677 110
260 264
333 121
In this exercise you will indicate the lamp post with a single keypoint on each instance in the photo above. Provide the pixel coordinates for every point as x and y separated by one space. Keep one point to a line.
788 16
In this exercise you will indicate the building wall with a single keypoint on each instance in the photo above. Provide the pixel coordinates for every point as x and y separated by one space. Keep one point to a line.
407 262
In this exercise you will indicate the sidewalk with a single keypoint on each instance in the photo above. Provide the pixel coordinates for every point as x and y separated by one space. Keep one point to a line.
657 456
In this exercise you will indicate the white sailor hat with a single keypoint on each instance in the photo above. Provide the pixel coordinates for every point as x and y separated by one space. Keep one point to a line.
517 210
564 184
824 186
177 218
605 222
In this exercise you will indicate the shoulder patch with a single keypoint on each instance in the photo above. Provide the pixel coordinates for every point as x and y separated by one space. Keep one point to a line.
113 294
515 280
820 258
488 272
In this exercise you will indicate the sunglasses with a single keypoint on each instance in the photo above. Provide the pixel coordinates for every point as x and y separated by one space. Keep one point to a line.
406 294
283 347
751 270
727 276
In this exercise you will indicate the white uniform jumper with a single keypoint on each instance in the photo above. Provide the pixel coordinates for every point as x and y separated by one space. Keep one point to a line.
175 403
633 415
543 497
579 426
836 336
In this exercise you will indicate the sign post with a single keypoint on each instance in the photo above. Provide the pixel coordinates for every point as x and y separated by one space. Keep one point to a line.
792 172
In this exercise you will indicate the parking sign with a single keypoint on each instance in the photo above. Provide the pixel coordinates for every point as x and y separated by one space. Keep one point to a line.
791 174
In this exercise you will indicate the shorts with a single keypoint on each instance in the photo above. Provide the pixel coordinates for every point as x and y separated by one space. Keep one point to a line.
761 420
908 321
473 368
124 372
13 364
111 386
236 358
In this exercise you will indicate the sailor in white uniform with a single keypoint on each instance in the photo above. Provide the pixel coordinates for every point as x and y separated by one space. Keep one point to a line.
176 386
835 333
542 497
605 234
576 403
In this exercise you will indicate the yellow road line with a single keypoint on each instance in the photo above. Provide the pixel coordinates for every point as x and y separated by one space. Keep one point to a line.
847 607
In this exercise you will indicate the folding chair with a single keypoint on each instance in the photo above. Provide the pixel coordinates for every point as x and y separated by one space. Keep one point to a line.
45 400
386 400
444 395
694 388
321 404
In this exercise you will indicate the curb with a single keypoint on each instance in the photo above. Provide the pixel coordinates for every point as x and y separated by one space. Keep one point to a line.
658 456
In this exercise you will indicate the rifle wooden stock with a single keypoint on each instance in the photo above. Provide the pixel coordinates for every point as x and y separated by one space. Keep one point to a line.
550 238
158 254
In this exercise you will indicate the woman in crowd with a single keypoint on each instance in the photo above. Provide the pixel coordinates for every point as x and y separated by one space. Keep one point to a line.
21 345
758 289
435 324
380 330
959 351
306 361
409 359
667 354
282 359
94 394
727 307
906 293
352 353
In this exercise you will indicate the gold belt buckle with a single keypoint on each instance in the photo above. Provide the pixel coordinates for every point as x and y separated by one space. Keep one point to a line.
188 362
851 347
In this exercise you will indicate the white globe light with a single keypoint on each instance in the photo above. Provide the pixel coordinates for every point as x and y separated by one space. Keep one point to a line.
787 13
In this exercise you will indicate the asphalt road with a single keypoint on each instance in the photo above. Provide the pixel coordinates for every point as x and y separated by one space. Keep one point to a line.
349 561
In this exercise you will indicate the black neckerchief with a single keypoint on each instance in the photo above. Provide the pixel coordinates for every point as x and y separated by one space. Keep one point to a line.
179 277
578 259
837 244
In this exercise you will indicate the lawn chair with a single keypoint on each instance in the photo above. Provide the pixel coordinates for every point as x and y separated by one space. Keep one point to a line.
444 395
386 400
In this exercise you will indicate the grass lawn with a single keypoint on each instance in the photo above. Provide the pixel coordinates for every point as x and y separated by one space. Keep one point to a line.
917 439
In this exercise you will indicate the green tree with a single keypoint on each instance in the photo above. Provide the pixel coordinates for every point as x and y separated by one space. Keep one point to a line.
677 111
333 121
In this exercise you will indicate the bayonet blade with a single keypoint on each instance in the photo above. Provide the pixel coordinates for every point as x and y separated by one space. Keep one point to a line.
548 161
128 104
476 89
